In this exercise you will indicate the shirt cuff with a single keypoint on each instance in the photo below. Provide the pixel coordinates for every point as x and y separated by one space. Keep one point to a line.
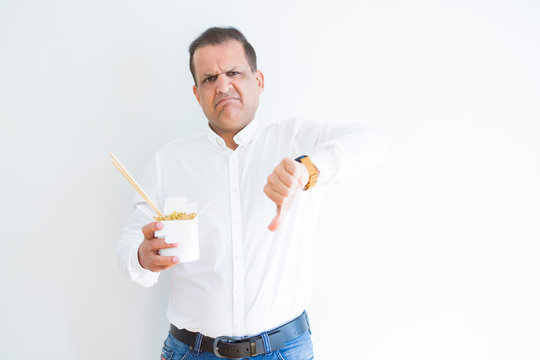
139 274
326 163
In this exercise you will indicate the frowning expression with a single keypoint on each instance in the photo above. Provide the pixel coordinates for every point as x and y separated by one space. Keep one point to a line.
227 89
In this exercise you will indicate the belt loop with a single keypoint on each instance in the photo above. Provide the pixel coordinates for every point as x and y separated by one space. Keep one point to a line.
266 342
307 321
197 347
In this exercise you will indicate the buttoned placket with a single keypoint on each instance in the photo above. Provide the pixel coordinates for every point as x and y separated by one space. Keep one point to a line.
237 243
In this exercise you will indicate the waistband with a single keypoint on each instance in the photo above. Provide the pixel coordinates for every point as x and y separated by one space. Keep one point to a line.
231 347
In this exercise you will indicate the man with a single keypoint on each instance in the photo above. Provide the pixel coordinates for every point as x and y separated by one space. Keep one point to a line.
245 297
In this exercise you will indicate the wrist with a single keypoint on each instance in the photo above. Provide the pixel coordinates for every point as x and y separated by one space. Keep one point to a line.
139 257
304 177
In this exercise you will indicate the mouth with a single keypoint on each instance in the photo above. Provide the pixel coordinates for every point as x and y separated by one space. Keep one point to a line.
226 101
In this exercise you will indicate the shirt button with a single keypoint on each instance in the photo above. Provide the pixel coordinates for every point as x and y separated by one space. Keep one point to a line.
234 188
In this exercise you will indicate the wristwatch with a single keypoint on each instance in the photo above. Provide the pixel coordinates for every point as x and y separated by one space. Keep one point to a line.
312 170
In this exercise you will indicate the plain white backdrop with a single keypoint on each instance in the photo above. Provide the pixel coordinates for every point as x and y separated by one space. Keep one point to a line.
434 255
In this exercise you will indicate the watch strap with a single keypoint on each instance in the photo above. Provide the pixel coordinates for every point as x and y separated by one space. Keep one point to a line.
312 170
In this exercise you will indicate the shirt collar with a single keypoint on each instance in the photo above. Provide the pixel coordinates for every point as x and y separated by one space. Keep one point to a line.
247 134
215 138
243 137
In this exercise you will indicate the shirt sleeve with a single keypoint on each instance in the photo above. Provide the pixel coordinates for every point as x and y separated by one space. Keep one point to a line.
344 152
132 236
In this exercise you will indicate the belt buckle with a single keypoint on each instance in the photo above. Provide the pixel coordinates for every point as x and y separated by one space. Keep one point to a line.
225 339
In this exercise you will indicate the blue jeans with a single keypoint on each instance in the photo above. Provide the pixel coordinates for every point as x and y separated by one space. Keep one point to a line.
300 348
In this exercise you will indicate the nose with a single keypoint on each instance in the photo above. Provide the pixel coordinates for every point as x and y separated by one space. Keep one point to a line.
223 83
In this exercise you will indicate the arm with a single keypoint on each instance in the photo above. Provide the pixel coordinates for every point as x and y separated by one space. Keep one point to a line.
343 152
138 249
128 249
340 153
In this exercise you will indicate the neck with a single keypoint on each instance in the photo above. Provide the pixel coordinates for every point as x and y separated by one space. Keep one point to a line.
229 141
227 136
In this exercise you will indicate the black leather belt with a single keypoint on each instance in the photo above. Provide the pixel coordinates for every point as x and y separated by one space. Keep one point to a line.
230 347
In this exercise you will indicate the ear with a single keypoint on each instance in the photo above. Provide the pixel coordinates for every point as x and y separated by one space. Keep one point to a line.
260 81
196 93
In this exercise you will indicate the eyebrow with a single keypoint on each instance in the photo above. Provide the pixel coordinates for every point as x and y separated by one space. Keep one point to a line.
234 68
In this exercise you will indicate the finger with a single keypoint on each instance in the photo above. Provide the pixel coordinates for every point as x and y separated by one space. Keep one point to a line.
149 229
278 219
275 196
158 243
159 260
287 179
165 267
277 185
297 170
151 260
290 166
157 268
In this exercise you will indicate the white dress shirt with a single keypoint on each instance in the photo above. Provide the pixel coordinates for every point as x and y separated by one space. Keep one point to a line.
247 279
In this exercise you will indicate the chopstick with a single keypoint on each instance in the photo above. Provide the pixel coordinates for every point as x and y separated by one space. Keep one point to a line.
132 181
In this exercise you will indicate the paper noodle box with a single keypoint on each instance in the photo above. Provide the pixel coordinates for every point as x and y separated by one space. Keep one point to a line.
183 232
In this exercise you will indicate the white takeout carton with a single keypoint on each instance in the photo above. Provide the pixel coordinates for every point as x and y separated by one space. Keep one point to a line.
183 232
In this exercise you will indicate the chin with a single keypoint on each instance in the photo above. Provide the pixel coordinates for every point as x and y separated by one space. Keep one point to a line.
229 117
230 124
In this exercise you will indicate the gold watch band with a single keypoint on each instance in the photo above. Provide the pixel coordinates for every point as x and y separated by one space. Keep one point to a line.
312 170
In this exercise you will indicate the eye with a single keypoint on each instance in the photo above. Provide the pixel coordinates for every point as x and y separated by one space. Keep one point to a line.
233 73
210 78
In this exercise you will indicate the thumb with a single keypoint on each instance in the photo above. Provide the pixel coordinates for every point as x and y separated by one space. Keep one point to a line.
278 219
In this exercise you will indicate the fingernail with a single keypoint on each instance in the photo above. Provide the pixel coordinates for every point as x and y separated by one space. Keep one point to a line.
159 225
176 259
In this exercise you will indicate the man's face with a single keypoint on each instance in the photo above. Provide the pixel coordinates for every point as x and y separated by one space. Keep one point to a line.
227 90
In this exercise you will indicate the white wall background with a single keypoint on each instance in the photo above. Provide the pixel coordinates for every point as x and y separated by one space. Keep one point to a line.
432 256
